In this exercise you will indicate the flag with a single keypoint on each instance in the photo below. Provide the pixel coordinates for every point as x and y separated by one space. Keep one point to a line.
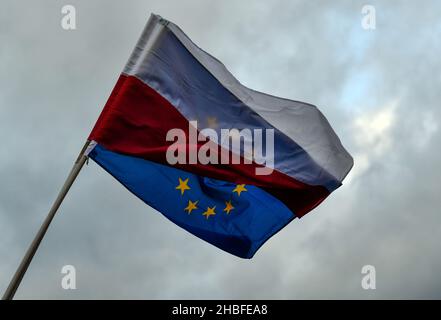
229 164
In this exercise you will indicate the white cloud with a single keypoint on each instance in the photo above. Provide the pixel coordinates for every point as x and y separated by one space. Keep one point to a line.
372 136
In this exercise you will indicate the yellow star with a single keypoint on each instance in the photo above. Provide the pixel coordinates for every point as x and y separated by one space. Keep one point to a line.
183 185
209 212
228 207
191 206
212 122
239 188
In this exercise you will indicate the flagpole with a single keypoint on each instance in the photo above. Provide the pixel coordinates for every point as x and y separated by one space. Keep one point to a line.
21 270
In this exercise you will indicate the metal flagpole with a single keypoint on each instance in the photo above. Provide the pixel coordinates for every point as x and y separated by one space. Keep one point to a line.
21 270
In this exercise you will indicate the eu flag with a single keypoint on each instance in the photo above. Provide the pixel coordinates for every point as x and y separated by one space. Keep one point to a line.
235 218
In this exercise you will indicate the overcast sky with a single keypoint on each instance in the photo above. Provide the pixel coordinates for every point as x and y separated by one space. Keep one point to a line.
380 90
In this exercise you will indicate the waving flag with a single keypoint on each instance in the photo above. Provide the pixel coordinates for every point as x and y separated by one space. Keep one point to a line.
239 197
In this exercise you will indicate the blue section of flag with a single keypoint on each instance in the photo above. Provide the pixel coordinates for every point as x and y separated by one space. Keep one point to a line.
235 218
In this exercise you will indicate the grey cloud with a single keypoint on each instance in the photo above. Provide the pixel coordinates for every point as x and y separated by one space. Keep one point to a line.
53 84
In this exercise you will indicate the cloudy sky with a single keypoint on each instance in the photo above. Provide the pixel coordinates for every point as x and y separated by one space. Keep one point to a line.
380 90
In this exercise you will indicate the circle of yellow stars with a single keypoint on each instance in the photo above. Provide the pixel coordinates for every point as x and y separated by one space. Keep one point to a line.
210 211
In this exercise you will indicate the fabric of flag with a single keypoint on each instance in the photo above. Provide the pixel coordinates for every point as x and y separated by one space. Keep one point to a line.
168 83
